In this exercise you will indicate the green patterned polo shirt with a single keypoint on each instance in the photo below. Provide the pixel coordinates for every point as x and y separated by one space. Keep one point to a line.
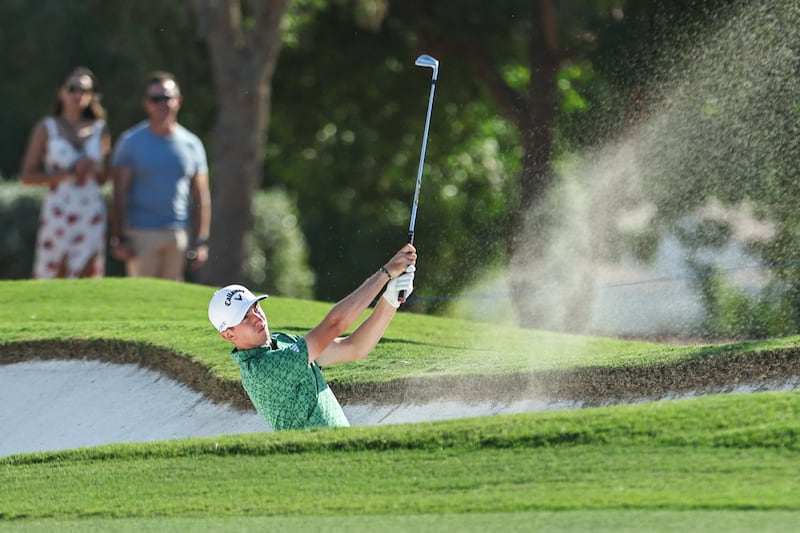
285 389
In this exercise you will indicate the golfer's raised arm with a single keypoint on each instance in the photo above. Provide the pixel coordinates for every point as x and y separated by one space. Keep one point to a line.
360 343
345 313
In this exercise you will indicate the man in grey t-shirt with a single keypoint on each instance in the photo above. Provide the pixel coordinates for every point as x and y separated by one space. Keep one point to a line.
162 202
280 372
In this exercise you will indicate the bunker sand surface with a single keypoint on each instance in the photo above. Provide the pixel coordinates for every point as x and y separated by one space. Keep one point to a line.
73 394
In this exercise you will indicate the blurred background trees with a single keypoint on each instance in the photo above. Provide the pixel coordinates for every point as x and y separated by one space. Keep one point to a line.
323 113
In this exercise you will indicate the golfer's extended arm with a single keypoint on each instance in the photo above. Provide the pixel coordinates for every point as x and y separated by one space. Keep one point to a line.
343 315
361 342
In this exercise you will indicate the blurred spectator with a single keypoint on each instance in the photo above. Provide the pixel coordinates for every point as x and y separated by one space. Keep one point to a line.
68 152
160 190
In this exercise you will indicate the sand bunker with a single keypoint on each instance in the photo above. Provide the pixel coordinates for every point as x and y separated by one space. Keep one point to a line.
52 405
68 402
60 404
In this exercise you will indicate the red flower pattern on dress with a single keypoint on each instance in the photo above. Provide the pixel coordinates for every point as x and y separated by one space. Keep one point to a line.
71 233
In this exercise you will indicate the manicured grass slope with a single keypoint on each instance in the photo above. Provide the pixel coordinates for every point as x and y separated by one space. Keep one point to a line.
173 316
711 455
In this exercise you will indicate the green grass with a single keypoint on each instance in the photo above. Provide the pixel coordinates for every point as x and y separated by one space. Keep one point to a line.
173 316
717 463
626 521
721 452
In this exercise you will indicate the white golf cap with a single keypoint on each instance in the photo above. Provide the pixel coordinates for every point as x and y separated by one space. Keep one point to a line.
229 306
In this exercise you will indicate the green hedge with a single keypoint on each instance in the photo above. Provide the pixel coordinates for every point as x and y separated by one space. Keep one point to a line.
277 250
19 218
278 254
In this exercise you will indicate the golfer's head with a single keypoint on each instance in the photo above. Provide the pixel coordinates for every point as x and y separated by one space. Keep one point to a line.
229 306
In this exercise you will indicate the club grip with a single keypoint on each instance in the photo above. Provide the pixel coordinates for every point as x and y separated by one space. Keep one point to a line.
401 296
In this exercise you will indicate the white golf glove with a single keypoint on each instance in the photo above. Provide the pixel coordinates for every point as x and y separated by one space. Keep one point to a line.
404 282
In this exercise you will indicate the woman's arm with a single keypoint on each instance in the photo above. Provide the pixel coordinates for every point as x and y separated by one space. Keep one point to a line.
31 172
102 173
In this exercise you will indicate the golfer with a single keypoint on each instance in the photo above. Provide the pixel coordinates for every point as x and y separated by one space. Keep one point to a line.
281 372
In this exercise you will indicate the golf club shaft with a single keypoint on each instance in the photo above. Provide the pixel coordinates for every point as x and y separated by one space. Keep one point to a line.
413 223
430 62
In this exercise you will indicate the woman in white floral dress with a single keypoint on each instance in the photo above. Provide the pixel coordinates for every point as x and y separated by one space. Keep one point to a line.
68 152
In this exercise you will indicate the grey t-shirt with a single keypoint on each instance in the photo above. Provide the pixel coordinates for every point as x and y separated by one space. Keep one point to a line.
162 171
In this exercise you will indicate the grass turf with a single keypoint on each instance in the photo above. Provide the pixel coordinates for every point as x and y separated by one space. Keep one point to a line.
731 452
718 458
624 521
173 316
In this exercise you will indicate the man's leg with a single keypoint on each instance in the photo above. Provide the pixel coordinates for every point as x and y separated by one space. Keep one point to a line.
175 244
145 245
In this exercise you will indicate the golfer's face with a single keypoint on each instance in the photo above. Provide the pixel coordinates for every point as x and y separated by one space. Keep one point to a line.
252 331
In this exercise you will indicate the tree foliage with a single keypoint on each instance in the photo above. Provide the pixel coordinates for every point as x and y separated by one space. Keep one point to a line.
702 91
120 41
354 155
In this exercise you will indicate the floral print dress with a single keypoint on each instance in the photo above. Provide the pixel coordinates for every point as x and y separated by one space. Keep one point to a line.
72 224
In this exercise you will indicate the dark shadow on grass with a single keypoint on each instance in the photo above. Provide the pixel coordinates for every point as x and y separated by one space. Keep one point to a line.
713 371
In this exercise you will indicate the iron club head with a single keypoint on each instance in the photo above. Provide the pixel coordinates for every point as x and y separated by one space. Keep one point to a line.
427 61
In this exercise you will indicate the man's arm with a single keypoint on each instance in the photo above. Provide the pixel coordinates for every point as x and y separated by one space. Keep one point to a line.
122 177
344 314
360 343
201 219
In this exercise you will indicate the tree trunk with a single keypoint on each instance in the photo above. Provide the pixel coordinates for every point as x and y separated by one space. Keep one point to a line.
238 140
243 63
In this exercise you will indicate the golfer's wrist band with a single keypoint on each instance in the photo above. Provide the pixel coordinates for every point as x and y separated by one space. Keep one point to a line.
383 269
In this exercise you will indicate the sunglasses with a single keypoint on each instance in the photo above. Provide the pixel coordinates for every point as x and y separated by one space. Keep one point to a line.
74 88
158 98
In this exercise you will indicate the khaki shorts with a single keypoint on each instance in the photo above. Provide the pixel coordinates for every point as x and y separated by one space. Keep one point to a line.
160 253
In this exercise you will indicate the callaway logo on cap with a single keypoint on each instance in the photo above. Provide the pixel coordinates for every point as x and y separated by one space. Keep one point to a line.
229 306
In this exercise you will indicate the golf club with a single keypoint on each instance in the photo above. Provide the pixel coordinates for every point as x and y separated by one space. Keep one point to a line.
422 61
